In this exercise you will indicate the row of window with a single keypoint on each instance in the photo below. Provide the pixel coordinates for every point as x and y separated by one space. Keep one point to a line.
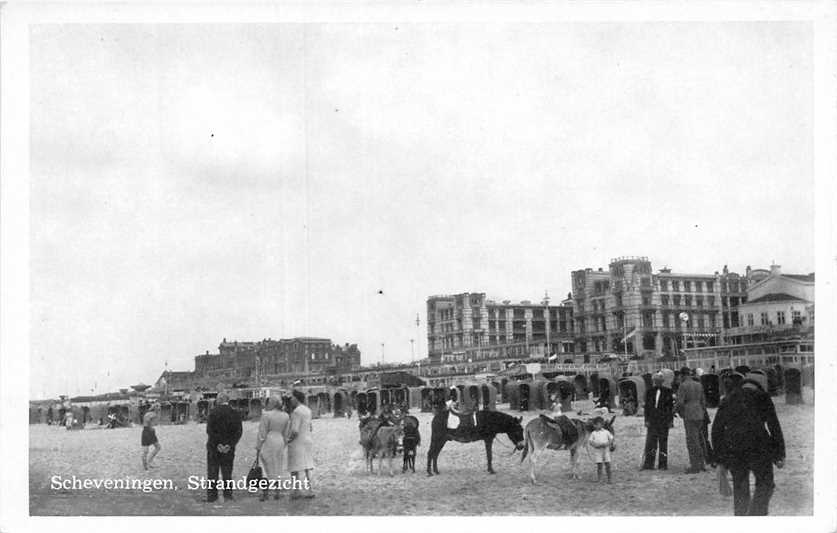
781 318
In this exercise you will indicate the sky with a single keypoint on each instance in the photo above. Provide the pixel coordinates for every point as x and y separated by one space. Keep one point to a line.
197 182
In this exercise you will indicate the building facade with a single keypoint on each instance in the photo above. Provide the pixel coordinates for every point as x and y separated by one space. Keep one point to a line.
778 305
300 355
469 326
630 310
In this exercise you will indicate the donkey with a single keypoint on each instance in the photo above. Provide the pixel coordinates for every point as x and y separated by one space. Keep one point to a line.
488 425
557 434
385 446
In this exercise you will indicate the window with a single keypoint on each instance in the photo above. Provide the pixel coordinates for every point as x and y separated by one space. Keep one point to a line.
665 320
663 285
699 301
764 319
710 286
701 322
646 300
675 285
796 316
750 319
664 299
780 317
687 286
618 300
698 286
710 301
688 299
647 320
677 300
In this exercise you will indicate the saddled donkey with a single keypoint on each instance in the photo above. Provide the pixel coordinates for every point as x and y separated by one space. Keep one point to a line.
488 425
385 446
368 429
560 433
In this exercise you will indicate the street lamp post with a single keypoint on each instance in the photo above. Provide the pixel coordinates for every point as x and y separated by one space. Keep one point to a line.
412 350
382 354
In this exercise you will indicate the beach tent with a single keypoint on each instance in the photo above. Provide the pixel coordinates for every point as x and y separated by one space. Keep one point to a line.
472 396
580 383
341 403
489 397
793 386
593 384
631 395
312 401
773 382
808 376
522 395
608 391
415 397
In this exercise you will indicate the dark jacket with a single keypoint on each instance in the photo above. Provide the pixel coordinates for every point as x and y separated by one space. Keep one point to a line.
661 415
745 427
691 403
223 427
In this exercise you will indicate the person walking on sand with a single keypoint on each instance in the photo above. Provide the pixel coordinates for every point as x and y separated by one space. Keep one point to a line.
747 438
691 406
272 440
300 445
223 429
149 439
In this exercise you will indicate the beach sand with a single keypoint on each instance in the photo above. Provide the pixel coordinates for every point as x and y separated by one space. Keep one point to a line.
464 487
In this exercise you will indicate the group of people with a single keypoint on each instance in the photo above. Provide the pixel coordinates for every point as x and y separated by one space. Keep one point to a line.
746 435
284 444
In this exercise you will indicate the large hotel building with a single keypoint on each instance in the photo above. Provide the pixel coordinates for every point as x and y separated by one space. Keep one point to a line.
630 309
469 326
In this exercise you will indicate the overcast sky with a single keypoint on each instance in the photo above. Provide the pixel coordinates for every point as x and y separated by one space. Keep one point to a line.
191 183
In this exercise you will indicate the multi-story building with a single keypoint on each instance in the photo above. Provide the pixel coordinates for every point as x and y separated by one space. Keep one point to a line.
469 326
300 355
628 309
777 305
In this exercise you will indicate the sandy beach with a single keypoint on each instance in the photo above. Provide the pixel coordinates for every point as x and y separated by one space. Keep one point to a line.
464 487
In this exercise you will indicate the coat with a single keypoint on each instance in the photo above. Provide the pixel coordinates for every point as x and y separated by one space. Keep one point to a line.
691 402
271 441
746 427
659 416
301 447
223 427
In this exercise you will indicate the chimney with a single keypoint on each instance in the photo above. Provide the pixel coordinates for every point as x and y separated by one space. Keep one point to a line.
775 270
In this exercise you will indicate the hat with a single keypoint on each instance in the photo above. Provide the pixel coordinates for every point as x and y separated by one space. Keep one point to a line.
148 416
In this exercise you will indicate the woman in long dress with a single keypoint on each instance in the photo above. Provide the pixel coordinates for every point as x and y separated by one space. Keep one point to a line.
300 445
271 441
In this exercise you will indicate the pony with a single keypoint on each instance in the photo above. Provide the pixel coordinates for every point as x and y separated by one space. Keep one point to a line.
560 433
488 425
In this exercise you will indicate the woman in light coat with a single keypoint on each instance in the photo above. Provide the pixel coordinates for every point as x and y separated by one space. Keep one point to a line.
272 441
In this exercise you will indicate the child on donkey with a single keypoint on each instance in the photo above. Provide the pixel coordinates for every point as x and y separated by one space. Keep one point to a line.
149 439
602 442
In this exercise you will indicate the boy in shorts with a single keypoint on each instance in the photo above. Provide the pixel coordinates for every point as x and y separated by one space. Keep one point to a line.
601 441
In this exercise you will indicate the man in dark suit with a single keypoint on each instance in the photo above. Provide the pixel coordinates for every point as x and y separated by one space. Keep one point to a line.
659 414
691 406
223 428
747 437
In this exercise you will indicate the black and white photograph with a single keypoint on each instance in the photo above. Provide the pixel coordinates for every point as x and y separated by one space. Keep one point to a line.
374 260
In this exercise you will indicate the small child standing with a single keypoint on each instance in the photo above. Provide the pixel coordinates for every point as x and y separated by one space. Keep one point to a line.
149 438
601 440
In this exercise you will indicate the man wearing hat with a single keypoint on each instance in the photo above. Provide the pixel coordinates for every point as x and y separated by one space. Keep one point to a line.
659 413
691 406
747 438
223 429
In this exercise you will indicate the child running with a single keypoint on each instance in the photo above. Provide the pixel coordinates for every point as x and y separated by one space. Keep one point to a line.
149 438
601 440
